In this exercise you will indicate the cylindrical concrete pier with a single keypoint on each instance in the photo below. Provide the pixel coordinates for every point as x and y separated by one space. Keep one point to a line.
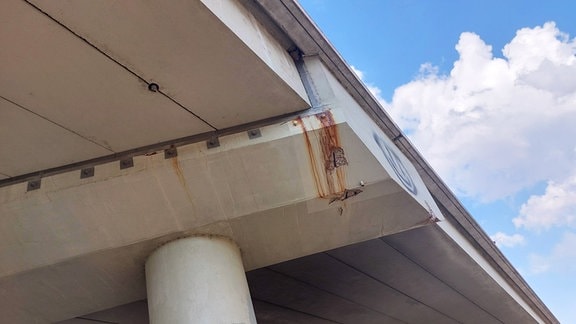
198 280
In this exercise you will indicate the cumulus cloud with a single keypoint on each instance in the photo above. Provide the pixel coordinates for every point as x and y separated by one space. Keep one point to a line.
374 90
496 125
359 73
561 259
556 207
503 239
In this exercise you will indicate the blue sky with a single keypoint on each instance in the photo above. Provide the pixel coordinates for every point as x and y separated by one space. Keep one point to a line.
487 92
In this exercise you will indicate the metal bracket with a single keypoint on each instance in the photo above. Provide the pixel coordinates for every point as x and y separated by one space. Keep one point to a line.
154 87
295 53
212 143
397 137
87 173
337 159
126 163
34 184
346 194
170 153
254 133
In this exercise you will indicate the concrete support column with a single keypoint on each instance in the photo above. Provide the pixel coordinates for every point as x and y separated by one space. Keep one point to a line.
198 280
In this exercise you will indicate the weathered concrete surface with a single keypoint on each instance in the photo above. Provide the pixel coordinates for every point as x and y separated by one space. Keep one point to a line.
198 280
262 193
324 180
301 29
75 77
417 276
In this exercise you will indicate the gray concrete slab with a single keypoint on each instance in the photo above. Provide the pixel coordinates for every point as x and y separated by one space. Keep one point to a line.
267 313
378 281
30 142
332 275
279 289
382 262
83 67
80 243
457 270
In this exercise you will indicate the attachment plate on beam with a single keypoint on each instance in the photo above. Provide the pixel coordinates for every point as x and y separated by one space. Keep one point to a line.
126 163
87 173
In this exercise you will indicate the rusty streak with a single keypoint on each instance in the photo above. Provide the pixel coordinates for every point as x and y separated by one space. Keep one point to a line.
329 176
312 158
181 179
330 145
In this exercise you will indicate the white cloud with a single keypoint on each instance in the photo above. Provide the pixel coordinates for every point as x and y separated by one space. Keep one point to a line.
503 239
495 126
374 90
561 259
359 73
556 207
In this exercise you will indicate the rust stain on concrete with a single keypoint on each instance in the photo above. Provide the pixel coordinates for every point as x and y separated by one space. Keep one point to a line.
181 179
327 157
312 159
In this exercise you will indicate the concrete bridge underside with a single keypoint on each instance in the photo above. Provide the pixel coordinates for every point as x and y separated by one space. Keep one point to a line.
384 280
127 127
